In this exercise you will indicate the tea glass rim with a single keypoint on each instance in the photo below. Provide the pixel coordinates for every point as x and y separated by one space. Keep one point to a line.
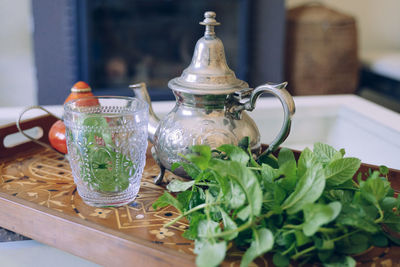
142 105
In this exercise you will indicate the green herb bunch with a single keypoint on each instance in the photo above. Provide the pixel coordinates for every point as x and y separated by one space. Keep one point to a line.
309 210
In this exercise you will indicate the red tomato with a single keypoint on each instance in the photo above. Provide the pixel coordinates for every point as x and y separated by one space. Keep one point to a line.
57 137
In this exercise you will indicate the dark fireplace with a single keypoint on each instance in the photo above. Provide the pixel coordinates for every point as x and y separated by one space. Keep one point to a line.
113 43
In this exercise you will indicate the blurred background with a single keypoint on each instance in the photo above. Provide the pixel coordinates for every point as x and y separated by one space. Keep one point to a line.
325 47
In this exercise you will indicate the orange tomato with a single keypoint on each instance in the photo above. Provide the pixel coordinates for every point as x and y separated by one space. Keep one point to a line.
57 137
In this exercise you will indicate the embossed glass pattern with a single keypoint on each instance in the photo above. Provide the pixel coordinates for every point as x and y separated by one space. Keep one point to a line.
107 141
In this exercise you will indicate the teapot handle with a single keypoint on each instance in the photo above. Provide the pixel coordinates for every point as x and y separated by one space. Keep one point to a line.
288 105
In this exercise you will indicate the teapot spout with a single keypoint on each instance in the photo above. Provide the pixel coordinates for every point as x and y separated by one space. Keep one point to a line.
140 92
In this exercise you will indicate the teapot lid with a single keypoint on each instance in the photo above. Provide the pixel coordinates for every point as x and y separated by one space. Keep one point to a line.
208 73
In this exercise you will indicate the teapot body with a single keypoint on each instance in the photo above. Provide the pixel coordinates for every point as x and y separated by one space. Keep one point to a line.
200 120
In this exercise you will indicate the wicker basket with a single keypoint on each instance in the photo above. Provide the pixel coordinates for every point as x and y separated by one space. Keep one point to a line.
321 51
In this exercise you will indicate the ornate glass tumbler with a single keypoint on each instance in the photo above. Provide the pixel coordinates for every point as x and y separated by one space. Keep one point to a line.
107 142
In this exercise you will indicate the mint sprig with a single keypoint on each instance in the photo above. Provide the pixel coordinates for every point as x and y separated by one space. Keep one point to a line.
309 210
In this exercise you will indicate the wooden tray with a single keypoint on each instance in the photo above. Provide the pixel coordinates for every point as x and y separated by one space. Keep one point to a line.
38 199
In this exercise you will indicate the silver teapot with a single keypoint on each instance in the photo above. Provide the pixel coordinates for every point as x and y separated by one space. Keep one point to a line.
211 105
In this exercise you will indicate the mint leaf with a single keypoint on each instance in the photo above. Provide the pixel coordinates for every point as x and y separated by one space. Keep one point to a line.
287 175
244 213
324 244
308 189
343 261
268 174
190 169
384 170
263 241
235 197
280 260
243 177
95 121
185 198
287 169
286 155
234 153
356 243
229 224
165 200
102 131
316 215
208 228
301 238
268 159
192 232
344 196
390 204
374 189
279 194
211 254
379 240
245 145
179 186
325 153
284 239
101 165
355 216
340 170
306 160
110 171
200 157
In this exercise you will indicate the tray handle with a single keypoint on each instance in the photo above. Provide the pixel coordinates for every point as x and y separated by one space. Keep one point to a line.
44 122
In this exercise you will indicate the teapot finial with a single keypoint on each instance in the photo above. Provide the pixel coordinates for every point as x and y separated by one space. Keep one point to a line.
208 73
209 21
